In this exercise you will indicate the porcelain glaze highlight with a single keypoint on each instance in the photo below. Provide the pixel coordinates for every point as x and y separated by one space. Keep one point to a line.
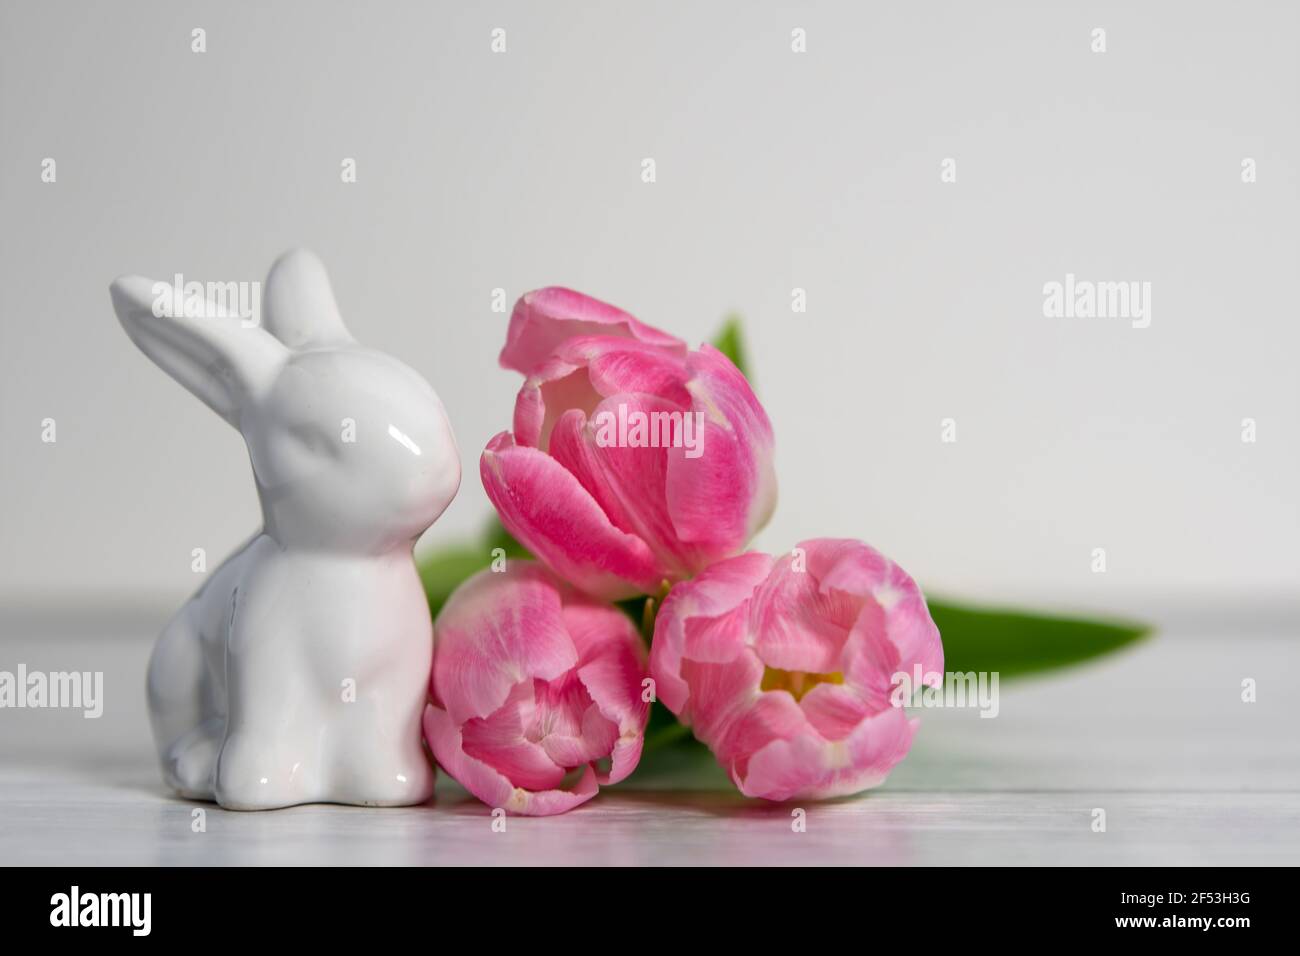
298 672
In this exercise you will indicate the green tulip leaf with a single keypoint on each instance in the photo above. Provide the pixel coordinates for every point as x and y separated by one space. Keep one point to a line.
730 341
498 537
445 570
1017 643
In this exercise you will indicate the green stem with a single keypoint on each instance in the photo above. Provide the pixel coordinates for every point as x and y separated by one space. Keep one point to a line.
665 737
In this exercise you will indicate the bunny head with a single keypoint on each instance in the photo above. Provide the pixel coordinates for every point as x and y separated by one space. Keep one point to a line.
351 449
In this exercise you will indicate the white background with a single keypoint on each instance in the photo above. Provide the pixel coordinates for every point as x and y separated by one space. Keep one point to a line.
775 170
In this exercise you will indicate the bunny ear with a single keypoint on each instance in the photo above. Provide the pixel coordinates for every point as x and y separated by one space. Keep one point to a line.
220 358
298 304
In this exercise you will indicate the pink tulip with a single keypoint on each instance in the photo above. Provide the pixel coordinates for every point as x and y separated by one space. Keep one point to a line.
547 318
784 667
613 510
536 692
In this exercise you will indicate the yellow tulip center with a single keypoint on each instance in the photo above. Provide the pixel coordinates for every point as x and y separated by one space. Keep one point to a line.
797 683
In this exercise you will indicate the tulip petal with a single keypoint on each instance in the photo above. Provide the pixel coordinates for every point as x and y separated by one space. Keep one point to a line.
876 747
569 726
834 710
621 366
631 461
720 694
911 628
500 742
717 590
722 493
545 318
613 678
556 389
893 630
797 625
490 786
584 371
844 564
530 417
717 640
550 513
495 629
593 740
808 766
770 716
612 670
596 627
785 769
666 666
871 659
571 445
723 586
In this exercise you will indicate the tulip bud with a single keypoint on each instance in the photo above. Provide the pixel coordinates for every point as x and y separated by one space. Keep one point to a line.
784 667
536 691
632 462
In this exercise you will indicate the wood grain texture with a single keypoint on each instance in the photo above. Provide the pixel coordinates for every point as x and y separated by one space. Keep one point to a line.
1158 737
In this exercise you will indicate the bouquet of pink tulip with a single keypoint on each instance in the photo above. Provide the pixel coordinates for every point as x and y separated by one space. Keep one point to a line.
635 474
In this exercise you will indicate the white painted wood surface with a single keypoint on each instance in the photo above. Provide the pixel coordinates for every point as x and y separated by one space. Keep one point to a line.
1157 737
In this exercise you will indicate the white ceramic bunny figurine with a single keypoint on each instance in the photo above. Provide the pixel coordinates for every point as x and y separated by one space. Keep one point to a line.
299 671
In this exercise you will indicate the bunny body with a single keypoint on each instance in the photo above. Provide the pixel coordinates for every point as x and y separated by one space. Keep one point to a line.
298 673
